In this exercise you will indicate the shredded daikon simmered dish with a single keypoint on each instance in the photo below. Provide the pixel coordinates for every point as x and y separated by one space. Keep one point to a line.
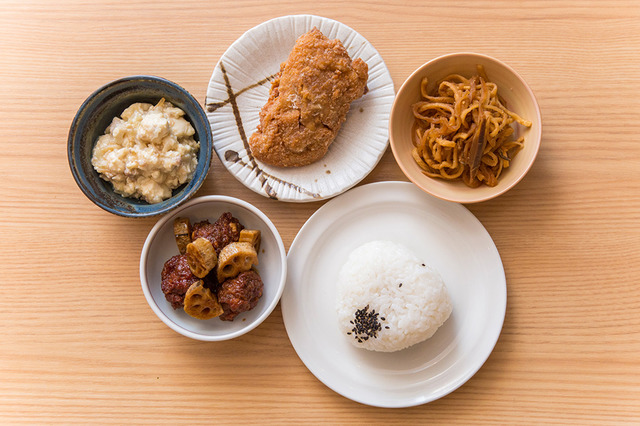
463 131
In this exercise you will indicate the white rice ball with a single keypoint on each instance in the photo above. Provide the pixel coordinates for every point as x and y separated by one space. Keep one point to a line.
389 299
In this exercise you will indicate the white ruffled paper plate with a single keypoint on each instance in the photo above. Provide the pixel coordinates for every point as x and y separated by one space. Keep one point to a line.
239 87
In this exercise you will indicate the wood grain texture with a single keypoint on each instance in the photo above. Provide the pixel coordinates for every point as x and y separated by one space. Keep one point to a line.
80 345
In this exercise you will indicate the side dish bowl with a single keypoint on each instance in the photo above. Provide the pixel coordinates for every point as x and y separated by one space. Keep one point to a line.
160 245
95 115
511 87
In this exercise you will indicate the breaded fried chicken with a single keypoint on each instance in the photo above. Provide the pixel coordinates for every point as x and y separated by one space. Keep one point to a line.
308 102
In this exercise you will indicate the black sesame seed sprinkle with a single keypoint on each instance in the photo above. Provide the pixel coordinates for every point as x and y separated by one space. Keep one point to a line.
423 264
400 285
366 324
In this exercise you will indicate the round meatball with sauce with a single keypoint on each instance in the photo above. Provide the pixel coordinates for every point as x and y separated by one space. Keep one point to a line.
223 231
240 294
176 280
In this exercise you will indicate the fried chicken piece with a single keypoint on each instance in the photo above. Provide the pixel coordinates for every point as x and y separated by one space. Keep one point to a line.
308 102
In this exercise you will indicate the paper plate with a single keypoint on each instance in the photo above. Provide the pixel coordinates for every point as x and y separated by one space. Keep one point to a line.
239 87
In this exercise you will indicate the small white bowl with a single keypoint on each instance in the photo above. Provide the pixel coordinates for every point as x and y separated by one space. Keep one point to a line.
519 98
160 245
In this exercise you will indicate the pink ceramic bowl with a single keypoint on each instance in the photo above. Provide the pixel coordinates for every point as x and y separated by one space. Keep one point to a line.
519 98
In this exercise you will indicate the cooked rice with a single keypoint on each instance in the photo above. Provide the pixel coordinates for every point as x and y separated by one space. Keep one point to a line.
389 299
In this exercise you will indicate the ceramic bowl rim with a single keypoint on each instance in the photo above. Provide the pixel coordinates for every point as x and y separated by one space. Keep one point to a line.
74 137
144 255
458 199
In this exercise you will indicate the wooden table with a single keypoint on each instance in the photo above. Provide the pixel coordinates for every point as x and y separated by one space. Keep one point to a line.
79 343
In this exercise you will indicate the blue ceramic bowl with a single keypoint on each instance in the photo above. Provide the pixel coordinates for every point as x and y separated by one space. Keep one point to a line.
95 115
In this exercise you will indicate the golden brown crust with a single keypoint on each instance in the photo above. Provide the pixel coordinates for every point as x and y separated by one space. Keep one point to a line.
308 102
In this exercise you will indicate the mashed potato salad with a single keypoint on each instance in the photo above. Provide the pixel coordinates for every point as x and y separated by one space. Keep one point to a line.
147 152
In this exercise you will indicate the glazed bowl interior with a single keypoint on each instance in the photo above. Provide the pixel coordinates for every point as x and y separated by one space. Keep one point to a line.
95 115
160 245
513 89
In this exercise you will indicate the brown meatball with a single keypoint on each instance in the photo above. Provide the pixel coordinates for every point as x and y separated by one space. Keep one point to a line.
223 231
211 281
240 294
176 280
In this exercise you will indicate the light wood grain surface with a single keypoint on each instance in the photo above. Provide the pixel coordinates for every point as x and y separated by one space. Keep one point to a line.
78 342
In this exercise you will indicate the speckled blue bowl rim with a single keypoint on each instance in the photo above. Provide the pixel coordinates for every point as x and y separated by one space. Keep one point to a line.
93 186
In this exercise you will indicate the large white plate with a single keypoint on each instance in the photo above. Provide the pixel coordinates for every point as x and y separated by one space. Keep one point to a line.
444 234
239 87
